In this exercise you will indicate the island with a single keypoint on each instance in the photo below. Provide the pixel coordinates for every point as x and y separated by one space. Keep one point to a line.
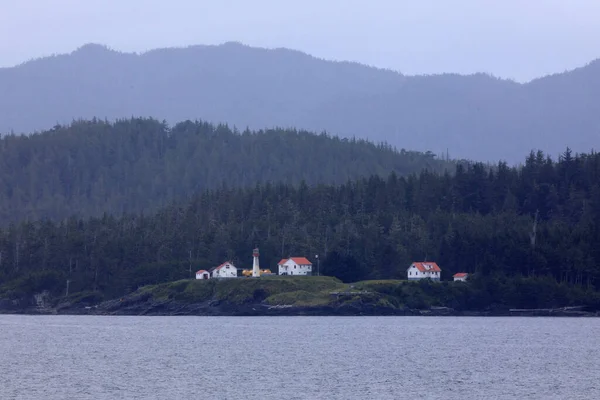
291 296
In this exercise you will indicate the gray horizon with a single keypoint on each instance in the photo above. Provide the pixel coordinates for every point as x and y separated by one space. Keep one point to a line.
512 40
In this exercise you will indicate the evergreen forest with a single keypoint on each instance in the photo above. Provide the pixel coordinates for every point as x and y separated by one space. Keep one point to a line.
539 222
139 164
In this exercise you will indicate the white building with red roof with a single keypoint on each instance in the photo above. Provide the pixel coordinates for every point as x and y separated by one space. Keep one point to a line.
225 270
294 266
460 276
202 274
423 270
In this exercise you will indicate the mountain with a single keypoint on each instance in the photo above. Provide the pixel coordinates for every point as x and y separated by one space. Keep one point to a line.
477 116
91 167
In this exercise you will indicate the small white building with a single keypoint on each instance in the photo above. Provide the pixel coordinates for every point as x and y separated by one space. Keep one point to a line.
423 270
202 274
460 276
294 266
225 270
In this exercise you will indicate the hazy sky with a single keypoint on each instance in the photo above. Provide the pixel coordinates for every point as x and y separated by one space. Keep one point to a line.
518 39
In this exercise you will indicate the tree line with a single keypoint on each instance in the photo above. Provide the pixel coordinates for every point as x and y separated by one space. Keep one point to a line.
538 220
93 166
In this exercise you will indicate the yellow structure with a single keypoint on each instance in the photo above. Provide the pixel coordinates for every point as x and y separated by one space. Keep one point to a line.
248 272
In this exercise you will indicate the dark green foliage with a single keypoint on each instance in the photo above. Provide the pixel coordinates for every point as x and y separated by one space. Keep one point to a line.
91 167
344 267
157 272
478 221
84 298
34 282
488 293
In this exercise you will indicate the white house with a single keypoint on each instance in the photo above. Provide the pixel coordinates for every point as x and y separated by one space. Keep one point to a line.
423 270
225 270
295 266
460 276
202 274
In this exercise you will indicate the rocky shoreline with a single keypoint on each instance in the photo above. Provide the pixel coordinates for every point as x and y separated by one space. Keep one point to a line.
144 305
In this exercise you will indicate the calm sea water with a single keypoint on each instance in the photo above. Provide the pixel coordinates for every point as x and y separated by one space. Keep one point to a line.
84 357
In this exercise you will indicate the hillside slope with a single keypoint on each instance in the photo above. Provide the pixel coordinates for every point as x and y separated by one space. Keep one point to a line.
475 117
91 167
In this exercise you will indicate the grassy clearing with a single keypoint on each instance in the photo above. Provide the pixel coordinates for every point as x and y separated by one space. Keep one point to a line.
380 286
84 297
274 289
240 291
303 291
301 298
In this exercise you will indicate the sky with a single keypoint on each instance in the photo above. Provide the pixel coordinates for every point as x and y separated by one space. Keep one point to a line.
513 39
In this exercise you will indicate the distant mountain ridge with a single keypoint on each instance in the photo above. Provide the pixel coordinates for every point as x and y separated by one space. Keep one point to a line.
477 116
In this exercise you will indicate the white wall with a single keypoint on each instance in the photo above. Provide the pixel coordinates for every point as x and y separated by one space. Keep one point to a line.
226 271
281 269
414 273
291 268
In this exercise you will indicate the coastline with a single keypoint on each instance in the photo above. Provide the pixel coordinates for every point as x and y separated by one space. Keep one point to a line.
277 296
262 310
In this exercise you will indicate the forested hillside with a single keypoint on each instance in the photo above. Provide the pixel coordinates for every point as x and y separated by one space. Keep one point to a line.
91 167
542 221
475 117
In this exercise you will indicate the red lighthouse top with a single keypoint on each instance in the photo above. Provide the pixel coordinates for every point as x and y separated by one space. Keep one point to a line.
255 252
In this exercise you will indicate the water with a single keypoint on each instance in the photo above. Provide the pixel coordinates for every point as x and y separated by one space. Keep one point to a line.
84 357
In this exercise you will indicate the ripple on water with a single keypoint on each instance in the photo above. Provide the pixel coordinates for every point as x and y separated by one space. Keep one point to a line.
102 358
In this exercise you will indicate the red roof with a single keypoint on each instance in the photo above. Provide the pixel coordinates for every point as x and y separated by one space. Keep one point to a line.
301 260
427 266
297 260
201 271
460 275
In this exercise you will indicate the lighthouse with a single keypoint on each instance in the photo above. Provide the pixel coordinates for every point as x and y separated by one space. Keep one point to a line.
255 267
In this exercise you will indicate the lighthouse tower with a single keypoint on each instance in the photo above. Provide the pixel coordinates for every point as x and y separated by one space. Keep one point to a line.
255 267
